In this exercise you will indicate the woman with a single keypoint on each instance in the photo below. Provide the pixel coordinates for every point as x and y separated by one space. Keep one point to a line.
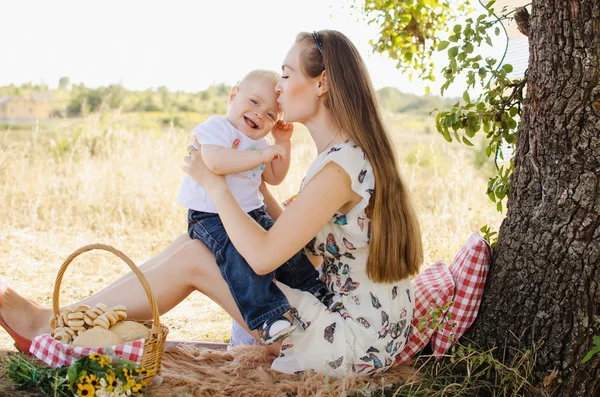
352 199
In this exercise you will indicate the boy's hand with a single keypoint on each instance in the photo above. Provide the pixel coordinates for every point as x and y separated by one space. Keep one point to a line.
282 132
272 152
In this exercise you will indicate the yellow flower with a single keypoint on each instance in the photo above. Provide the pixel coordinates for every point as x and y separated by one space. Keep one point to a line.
85 390
84 379
94 356
104 361
136 388
111 382
93 380
142 371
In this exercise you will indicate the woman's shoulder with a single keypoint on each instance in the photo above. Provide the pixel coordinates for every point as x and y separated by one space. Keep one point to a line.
352 159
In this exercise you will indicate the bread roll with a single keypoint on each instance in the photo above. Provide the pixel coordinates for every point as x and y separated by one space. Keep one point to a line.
130 330
97 337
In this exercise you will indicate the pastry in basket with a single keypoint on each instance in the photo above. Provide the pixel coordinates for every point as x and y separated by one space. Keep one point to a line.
97 337
130 330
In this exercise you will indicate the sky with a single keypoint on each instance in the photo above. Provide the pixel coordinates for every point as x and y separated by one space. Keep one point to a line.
184 45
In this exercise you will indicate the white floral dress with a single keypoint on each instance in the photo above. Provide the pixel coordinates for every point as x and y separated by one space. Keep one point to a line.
364 337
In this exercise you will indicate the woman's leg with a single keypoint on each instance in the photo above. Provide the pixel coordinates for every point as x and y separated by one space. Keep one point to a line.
191 267
160 257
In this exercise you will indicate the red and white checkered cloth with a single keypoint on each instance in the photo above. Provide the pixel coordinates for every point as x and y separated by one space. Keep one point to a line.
432 288
57 354
469 270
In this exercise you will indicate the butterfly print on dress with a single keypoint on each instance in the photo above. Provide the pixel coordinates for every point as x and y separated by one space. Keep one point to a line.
361 176
311 246
407 332
388 362
349 255
394 292
370 191
375 301
334 149
346 270
383 332
372 357
363 322
358 368
373 350
408 294
335 364
385 320
395 330
341 220
329 331
348 244
389 347
361 223
349 286
332 247
355 299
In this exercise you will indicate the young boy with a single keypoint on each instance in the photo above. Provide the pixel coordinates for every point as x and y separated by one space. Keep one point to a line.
253 112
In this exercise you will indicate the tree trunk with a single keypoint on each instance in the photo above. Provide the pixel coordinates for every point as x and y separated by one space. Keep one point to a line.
543 288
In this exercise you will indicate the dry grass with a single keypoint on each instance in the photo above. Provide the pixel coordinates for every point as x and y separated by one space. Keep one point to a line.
105 179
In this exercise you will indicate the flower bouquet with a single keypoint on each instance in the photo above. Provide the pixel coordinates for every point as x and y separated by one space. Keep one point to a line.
94 375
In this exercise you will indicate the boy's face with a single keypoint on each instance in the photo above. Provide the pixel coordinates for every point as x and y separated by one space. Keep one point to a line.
253 107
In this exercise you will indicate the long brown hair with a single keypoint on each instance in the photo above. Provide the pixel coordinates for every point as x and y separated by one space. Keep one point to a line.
396 249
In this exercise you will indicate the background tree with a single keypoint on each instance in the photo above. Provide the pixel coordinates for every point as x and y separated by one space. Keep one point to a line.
63 83
543 288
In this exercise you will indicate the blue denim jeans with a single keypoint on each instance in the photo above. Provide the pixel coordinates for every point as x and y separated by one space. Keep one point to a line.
258 297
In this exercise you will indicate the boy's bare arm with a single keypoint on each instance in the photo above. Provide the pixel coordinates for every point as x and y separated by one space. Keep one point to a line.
225 161
277 169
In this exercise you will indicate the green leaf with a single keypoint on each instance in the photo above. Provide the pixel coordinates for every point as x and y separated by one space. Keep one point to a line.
488 40
466 141
457 29
490 4
443 45
497 31
446 135
488 151
427 90
507 68
469 48
453 52
482 72
594 350
453 38
513 111
466 97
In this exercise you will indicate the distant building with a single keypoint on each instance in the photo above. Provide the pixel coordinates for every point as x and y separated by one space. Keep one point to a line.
35 107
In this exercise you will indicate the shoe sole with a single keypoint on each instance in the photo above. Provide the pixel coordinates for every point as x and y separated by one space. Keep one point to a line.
280 336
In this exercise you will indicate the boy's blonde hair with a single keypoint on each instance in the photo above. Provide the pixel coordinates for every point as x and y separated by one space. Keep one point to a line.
269 74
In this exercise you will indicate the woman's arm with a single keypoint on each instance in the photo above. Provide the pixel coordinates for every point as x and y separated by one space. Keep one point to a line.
314 206
274 209
265 251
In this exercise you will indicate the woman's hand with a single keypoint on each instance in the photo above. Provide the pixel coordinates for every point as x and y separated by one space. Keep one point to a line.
197 169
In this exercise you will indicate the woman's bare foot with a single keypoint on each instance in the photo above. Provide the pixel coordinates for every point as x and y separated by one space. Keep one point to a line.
23 316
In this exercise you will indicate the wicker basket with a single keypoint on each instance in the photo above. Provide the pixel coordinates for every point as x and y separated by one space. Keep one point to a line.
154 346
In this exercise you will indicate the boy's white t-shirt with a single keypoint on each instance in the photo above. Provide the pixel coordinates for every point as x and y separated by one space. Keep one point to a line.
244 186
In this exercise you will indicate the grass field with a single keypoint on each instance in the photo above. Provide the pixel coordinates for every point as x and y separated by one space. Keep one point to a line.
113 178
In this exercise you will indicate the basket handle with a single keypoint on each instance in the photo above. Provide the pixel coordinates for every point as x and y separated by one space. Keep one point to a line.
56 297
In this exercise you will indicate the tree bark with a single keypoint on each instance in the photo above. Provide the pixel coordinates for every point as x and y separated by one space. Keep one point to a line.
543 288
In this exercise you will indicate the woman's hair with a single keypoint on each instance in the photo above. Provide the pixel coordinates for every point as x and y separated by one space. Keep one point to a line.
396 249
